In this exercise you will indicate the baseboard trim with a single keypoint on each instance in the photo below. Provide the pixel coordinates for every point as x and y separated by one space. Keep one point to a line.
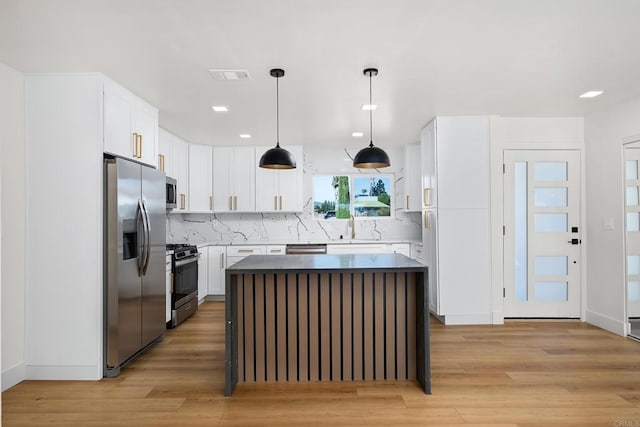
51 372
468 319
13 376
497 318
605 322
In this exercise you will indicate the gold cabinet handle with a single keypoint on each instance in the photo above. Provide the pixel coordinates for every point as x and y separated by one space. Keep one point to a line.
182 200
230 203
427 224
275 202
407 201
235 203
135 144
280 202
161 162
140 146
210 203
426 195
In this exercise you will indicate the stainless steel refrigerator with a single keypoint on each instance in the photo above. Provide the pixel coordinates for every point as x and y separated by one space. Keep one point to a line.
135 238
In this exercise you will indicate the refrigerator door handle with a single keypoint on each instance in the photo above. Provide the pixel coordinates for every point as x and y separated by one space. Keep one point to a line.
141 231
147 238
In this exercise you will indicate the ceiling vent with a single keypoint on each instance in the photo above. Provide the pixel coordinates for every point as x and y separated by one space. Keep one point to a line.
230 74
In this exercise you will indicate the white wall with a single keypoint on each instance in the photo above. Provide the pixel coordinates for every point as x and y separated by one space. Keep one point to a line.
604 130
64 134
12 142
524 133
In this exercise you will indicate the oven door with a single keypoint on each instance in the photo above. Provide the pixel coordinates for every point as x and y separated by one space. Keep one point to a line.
185 281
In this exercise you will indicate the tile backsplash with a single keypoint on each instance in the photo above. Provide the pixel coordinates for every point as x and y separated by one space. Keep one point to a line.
301 227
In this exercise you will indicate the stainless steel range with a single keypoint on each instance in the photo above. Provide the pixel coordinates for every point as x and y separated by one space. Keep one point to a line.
184 290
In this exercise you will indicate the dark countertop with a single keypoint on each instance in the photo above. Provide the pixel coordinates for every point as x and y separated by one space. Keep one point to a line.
333 262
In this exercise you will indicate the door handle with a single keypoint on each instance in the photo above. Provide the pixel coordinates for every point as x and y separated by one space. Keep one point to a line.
235 203
135 144
210 203
140 146
574 241
141 229
147 239
275 201
280 202
407 201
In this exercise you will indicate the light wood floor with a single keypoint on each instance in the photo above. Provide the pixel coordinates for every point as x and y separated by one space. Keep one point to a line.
522 373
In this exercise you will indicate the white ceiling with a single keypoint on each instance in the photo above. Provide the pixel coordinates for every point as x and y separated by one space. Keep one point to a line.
436 57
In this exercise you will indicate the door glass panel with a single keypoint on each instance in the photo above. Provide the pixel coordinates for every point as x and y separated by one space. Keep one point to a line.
631 169
551 291
633 221
550 197
633 264
550 171
550 266
520 231
550 222
632 196
633 291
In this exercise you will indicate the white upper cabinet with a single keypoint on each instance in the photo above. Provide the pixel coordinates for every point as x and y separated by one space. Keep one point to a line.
462 156
200 179
279 190
429 190
234 179
165 152
180 160
130 125
412 179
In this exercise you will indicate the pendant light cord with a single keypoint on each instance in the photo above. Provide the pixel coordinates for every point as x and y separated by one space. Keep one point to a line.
277 113
370 113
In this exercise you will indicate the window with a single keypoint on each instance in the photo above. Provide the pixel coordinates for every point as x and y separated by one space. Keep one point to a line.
340 196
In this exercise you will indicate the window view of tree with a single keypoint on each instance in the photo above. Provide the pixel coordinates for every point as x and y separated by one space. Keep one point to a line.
373 198
331 199
334 197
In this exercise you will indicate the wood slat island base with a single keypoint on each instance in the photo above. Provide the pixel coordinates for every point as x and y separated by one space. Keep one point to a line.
326 318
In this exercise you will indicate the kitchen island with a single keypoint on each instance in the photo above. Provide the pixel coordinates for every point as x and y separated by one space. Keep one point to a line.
326 318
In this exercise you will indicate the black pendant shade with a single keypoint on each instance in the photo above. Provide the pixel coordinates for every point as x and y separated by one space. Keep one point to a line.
276 157
371 157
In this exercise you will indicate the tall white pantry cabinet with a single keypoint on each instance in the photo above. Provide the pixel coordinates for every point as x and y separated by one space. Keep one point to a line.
70 120
455 216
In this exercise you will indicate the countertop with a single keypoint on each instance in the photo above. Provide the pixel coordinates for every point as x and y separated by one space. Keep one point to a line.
332 242
337 262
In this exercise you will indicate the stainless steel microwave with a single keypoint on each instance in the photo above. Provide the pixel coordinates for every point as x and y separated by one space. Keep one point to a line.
172 193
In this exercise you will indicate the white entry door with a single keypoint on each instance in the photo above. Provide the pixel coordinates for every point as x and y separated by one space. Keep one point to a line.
632 226
542 246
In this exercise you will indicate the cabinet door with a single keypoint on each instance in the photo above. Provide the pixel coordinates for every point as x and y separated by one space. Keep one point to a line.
222 186
165 145
146 125
216 270
412 179
118 121
289 190
462 155
430 253
181 170
429 186
266 185
200 180
244 179
203 273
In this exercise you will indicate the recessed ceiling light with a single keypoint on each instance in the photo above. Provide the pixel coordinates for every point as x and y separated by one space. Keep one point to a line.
367 107
245 136
591 94
357 134
220 108
222 74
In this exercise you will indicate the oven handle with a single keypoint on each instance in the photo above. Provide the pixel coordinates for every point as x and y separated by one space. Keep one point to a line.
189 260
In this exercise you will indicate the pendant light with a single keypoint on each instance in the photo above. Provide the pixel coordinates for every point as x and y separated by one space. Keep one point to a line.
371 157
276 157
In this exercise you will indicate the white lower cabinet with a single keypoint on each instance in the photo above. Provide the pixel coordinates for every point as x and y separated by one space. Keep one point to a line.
203 273
276 249
215 261
169 285
417 252
237 253
401 248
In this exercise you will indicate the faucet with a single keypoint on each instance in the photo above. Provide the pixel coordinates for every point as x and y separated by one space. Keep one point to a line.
352 225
